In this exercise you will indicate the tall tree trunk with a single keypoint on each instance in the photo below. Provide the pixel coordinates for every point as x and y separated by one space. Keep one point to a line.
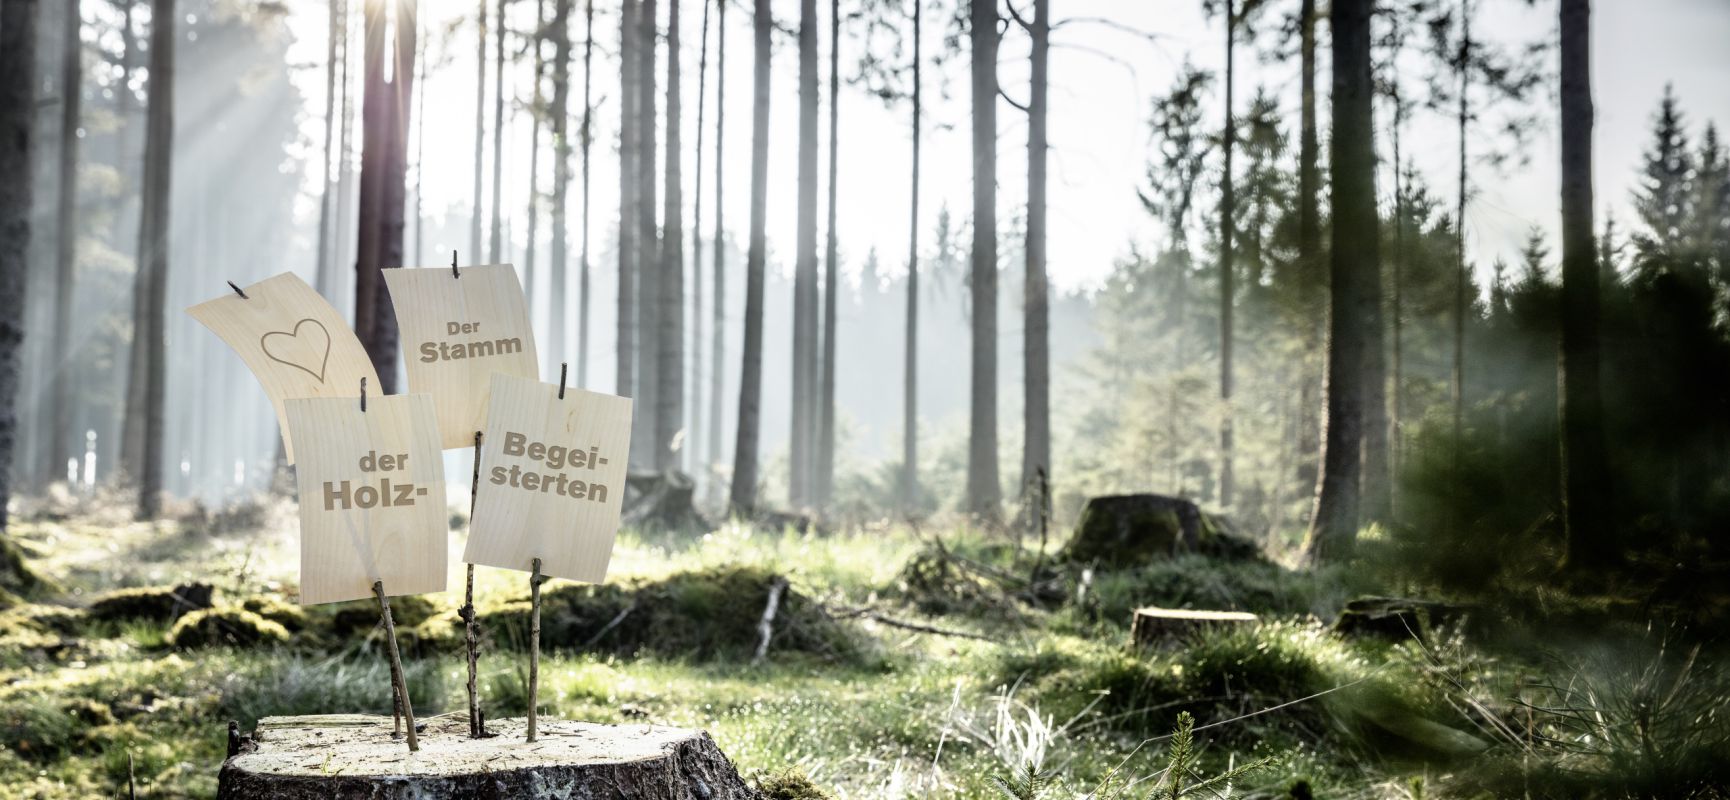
153 249
495 252
983 491
327 199
60 437
908 490
670 396
342 244
1310 267
1036 370
537 117
475 234
420 64
1586 484
648 245
744 492
17 190
800 451
1460 277
385 115
718 354
626 318
1227 272
691 456
1354 258
558 258
588 139
1396 388
824 479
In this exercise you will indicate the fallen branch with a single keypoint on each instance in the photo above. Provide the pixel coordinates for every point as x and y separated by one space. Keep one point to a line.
766 627
607 628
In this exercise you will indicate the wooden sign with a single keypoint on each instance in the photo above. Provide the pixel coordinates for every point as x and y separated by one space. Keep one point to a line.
294 342
457 330
372 496
552 479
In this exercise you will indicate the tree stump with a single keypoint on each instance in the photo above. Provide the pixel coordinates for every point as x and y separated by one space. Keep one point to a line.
341 756
1151 625
663 502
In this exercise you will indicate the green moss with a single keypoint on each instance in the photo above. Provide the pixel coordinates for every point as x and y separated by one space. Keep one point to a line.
290 616
789 785
46 729
703 615
225 626
16 575
43 619
359 616
158 603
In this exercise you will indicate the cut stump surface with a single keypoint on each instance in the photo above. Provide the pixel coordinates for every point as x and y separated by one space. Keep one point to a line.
354 756
1153 625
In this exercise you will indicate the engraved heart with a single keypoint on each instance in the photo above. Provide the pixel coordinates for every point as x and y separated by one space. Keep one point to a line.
303 352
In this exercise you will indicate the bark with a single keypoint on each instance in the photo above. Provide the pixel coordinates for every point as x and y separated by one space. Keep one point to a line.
1036 370
800 450
588 139
348 757
643 442
1585 484
537 117
153 249
17 189
691 458
670 362
60 437
558 252
743 500
909 485
1353 260
1309 265
480 136
1460 278
824 479
385 110
626 317
495 252
718 354
1396 383
983 491
1227 271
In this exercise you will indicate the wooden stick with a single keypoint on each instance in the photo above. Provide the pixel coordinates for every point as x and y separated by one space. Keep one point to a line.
398 684
535 581
471 631
766 626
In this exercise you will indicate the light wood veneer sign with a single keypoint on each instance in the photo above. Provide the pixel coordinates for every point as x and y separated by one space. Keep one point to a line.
372 496
294 342
458 328
552 479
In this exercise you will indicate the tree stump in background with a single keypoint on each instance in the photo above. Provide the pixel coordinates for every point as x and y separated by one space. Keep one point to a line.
341 756
663 502
1154 625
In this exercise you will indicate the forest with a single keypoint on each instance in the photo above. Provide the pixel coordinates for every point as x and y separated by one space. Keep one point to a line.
1032 399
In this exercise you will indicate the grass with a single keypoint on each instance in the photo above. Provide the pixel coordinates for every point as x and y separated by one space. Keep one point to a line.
855 709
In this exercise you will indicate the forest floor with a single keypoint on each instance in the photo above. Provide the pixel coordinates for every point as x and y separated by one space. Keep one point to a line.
1009 670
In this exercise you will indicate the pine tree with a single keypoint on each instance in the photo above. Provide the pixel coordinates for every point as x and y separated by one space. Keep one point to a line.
983 491
743 500
1664 201
17 159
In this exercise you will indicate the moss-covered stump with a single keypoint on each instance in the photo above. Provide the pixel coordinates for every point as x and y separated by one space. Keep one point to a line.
663 502
1397 618
352 756
1127 530
157 603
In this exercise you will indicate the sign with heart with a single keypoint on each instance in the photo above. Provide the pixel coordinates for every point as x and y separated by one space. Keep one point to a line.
459 329
552 479
372 496
294 341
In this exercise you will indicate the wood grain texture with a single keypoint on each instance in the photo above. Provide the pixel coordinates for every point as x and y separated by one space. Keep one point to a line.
292 339
552 479
457 332
372 497
339 757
